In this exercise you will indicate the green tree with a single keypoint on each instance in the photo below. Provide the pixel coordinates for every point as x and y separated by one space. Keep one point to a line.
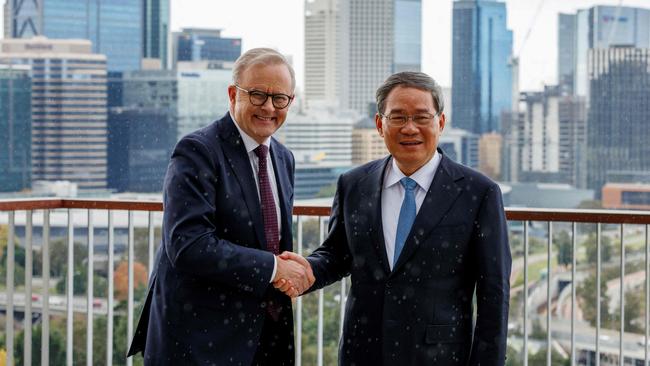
57 347
592 248
586 293
539 359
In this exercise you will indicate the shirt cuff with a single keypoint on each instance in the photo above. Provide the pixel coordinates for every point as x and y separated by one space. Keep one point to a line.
275 268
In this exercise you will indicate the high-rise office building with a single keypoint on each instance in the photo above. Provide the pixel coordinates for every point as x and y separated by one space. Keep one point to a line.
68 108
597 27
573 140
197 97
321 51
113 26
461 146
155 34
377 38
15 128
566 57
619 111
151 110
141 140
200 44
540 131
481 59
6 11
319 135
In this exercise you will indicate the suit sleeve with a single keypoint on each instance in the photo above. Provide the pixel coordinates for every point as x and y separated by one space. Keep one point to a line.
332 260
490 239
190 239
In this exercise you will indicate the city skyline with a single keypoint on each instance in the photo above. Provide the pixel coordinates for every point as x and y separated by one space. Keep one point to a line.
538 64
538 58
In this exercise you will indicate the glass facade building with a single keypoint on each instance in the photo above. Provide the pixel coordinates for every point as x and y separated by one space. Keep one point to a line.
377 38
407 35
619 111
113 26
155 35
139 148
481 71
197 44
68 108
597 27
15 128
150 111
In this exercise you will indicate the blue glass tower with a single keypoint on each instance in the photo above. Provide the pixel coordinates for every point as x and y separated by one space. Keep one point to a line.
15 129
115 27
481 72
156 30
408 34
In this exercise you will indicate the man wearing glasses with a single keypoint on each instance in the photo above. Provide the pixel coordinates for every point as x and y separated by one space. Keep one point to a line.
228 198
418 233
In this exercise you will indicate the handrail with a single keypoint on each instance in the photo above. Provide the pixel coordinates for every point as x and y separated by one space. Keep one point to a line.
512 213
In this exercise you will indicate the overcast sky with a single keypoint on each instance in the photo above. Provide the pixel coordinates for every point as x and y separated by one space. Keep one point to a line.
279 24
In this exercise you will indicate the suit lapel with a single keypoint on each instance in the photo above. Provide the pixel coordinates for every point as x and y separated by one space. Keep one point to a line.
370 189
439 199
235 152
284 195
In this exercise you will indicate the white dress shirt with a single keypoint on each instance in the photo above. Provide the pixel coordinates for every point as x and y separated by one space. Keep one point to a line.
251 145
392 196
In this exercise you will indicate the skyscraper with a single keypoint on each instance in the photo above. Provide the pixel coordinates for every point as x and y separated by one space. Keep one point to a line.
539 126
113 26
140 142
573 139
155 35
319 136
68 108
597 27
481 72
15 128
322 25
200 44
377 38
566 57
619 111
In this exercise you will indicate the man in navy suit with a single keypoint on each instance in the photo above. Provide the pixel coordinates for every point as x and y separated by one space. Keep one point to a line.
228 197
419 234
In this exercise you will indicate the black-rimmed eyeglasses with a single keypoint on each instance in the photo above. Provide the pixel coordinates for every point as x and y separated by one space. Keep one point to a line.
258 98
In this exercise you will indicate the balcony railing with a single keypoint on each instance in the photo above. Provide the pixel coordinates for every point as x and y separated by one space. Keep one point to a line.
554 314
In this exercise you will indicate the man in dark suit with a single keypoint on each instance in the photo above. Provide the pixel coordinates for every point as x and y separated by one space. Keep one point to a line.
228 197
418 233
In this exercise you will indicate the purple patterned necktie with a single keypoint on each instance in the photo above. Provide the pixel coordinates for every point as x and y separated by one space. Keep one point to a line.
269 214
270 217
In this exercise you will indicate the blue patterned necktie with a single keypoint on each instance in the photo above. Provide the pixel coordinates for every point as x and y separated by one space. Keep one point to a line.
406 216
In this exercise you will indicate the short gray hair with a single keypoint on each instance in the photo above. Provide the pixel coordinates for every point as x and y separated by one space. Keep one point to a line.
410 79
264 56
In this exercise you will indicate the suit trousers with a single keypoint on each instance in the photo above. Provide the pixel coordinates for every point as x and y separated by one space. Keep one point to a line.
275 344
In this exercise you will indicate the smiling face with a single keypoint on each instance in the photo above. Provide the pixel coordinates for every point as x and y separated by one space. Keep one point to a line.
260 122
411 146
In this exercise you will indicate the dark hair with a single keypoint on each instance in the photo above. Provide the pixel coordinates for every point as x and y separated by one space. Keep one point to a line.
410 79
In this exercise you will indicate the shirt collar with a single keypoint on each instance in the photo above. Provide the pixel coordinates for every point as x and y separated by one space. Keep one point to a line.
249 142
423 176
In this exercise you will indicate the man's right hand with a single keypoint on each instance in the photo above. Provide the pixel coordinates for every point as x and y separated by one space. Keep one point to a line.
294 275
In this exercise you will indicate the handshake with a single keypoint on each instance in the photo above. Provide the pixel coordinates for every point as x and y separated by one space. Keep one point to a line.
293 275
